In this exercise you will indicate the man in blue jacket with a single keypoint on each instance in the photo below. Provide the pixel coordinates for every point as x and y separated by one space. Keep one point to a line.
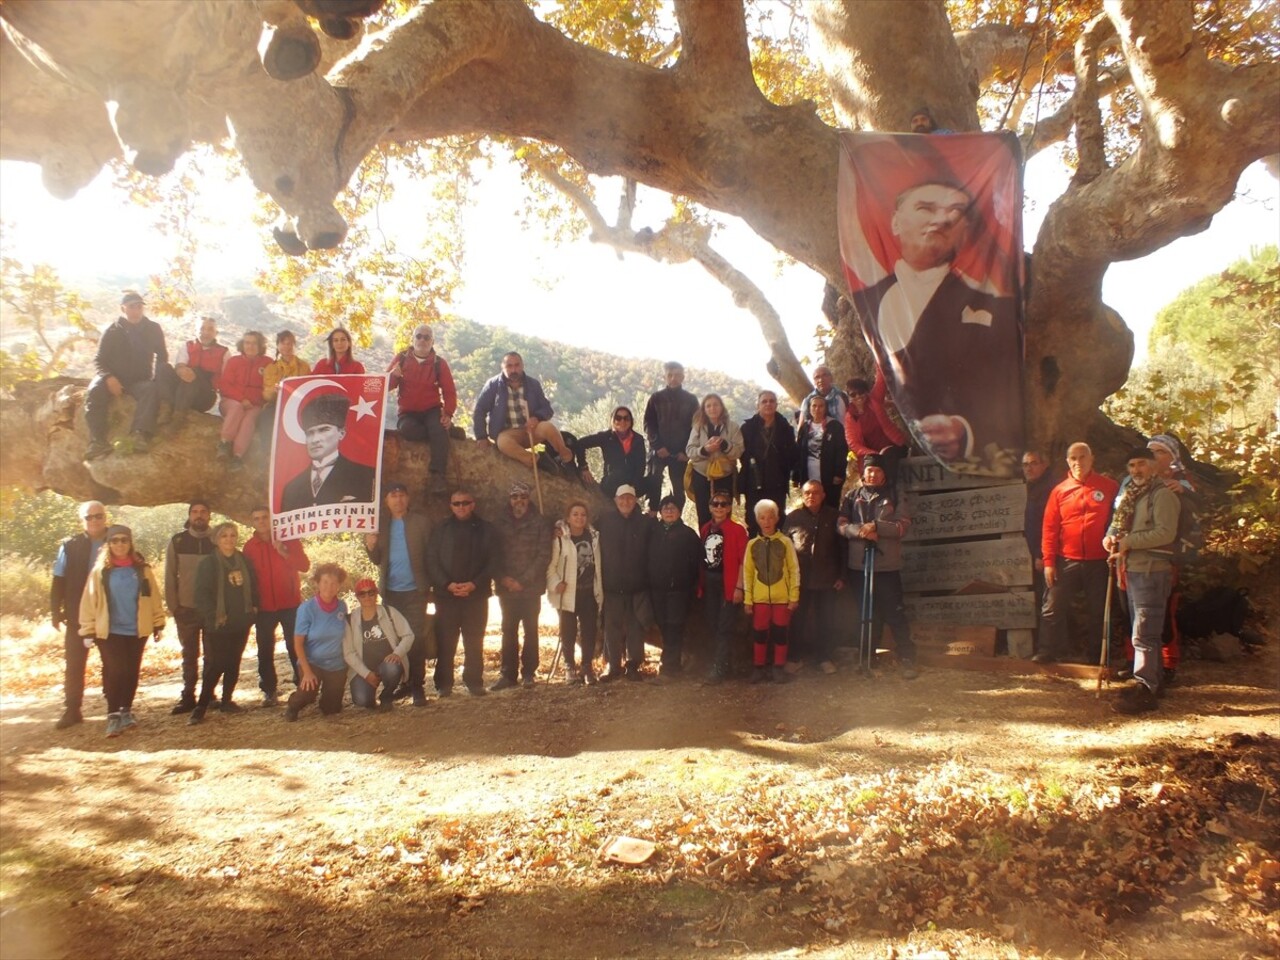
514 413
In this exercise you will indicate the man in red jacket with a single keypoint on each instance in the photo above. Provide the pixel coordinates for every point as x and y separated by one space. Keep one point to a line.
192 382
1075 561
428 399
277 565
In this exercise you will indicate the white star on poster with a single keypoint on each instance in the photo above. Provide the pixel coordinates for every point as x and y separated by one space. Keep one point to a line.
364 408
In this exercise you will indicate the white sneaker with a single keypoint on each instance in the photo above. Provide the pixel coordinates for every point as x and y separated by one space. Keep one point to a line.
113 725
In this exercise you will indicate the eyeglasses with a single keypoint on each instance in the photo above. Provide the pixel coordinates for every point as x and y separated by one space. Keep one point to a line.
622 419
95 516
366 593
120 540
720 503
461 503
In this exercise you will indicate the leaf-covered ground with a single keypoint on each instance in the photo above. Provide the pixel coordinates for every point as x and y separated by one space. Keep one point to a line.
958 815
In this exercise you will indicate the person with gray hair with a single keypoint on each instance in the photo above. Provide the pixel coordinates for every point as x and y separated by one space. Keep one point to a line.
824 386
227 598
192 382
428 399
75 559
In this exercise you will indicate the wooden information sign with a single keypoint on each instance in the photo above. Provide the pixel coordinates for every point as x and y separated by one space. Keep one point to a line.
991 609
967 513
949 566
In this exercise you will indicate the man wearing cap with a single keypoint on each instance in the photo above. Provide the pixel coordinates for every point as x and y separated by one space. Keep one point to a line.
331 478
668 421
675 563
524 551
1141 537
75 559
428 399
192 382
276 566
514 413
399 549
132 358
462 560
1076 517
182 558
624 553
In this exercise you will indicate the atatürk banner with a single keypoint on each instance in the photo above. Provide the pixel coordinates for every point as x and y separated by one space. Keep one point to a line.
931 240
326 455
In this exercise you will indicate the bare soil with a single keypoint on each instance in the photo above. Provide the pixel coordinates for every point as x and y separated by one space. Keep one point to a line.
960 814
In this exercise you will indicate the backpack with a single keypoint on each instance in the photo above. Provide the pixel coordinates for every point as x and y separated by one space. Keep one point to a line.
1190 537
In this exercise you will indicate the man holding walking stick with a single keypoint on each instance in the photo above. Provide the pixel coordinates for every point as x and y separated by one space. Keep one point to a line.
1141 537
875 528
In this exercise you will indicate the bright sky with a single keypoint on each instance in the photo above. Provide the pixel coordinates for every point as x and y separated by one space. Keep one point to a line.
581 292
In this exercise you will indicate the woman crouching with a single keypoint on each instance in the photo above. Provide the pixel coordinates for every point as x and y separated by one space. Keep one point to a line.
318 637
378 635
120 606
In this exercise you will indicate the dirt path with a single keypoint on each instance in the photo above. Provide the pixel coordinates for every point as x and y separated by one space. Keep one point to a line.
469 828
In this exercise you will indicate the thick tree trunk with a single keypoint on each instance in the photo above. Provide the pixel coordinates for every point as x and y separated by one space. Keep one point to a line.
45 440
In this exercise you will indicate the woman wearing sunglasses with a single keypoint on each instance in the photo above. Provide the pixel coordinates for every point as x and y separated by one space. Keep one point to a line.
120 606
624 454
378 635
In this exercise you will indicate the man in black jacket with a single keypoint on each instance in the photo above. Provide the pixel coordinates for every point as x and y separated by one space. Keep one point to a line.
624 553
675 561
131 359
462 558
820 551
668 420
524 551
768 457
187 548
70 571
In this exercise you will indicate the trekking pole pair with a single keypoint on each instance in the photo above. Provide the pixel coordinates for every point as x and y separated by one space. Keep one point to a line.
866 634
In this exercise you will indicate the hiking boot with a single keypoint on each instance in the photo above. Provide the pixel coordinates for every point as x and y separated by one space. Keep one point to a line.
270 699
127 722
97 450
504 683
419 697
1137 699
290 714
224 450
140 442
228 706
444 691
403 692
527 682
589 677
609 675
479 691
69 718
633 674
909 671
827 667
197 716
759 674
387 699
185 705
782 674
113 725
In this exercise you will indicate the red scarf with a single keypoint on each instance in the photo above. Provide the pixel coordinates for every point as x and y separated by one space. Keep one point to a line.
125 561
327 606
626 440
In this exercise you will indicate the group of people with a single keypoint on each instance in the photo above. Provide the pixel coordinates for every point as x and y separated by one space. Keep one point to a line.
627 571
1088 534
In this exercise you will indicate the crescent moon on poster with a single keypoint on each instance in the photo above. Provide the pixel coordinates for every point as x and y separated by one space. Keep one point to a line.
289 418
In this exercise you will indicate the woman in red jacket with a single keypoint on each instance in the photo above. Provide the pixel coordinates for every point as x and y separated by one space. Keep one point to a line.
241 388
340 359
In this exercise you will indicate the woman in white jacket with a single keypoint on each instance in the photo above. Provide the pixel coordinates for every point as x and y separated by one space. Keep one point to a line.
576 590
714 448
379 635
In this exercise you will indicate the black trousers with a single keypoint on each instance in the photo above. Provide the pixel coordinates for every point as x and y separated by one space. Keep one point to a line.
426 425
722 618
1075 577
580 625
197 395
77 660
223 650
190 630
623 631
330 691
121 663
518 612
265 632
412 605
670 468
886 608
813 629
671 609
466 617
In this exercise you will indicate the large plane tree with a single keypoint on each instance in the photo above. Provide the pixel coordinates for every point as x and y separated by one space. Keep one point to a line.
1161 103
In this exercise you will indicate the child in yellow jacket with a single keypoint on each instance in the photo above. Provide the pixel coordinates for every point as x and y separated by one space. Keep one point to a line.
771 591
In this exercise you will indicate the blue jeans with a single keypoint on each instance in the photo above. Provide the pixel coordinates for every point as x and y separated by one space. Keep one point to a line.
363 695
1148 596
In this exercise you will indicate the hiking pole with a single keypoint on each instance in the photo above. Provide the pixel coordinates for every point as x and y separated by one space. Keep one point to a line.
1104 661
555 663
868 602
537 480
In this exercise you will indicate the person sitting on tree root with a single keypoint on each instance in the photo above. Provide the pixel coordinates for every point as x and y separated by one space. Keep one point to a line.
514 413
132 358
